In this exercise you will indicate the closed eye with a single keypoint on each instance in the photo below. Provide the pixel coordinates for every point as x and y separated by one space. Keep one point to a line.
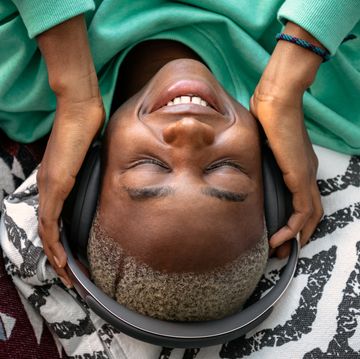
150 160
225 163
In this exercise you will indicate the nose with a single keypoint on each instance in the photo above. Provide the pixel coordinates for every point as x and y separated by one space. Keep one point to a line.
189 132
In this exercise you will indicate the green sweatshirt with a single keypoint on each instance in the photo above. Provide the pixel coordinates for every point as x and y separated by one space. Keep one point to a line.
234 37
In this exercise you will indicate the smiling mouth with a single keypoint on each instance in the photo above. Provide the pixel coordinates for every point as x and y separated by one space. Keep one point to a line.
197 94
188 99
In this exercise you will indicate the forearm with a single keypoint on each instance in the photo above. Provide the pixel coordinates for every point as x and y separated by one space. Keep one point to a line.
69 62
72 77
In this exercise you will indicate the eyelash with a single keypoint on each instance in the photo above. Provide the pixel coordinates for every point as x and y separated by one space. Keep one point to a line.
151 161
223 164
208 169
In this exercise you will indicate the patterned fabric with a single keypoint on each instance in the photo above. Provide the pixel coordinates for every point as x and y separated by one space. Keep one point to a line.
17 161
22 331
317 317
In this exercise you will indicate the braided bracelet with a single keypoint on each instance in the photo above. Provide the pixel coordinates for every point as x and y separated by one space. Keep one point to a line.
305 44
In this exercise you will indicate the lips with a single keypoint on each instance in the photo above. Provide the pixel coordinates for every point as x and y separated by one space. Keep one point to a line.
187 88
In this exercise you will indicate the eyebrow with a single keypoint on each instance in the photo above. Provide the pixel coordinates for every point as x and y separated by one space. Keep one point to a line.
143 193
139 194
224 195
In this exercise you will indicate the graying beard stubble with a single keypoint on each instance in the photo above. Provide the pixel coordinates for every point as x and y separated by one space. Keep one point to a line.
174 296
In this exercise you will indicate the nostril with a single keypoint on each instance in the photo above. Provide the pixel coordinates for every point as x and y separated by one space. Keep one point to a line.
189 131
169 134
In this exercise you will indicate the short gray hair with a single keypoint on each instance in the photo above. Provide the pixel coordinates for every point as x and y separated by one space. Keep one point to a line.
174 296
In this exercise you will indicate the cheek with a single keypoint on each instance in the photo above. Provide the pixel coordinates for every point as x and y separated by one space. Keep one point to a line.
248 216
242 141
249 226
111 201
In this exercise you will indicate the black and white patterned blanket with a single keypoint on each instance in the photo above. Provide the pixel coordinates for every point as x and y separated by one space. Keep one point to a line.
318 317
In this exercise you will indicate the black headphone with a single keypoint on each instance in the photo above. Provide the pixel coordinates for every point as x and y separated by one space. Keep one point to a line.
77 219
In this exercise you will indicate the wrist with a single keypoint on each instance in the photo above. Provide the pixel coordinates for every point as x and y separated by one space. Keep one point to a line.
76 89
80 113
78 123
292 66
297 31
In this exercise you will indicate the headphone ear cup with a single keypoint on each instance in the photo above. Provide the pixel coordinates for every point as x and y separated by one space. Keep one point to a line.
81 205
277 198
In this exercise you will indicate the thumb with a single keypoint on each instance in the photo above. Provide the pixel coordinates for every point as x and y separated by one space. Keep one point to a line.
252 106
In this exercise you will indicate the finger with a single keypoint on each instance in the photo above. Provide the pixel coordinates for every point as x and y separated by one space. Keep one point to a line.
57 256
315 218
50 206
290 230
49 211
49 234
302 204
65 278
61 272
69 275
252 106
284 250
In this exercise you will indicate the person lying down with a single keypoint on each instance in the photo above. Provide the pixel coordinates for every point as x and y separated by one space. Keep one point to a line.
179 231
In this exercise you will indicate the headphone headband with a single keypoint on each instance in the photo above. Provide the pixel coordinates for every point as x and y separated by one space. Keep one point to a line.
178 334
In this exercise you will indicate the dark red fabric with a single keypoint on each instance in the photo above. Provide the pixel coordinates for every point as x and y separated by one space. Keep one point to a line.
21 343
29 155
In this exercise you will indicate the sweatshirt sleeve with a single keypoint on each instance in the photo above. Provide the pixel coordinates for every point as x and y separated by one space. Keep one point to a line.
41 15
329 21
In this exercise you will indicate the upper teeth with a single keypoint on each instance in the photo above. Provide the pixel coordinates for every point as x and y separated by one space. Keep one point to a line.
188 99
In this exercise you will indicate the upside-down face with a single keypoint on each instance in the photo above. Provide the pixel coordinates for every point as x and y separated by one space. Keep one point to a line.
182 186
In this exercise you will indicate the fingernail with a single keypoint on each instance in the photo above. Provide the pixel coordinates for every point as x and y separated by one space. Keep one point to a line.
65 282
57 262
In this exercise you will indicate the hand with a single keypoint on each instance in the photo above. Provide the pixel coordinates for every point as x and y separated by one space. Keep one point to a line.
277 103
284 126
79 116
74 128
